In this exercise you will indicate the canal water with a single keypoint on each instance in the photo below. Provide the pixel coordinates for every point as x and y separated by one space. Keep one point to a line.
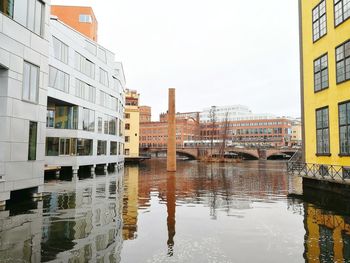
202 213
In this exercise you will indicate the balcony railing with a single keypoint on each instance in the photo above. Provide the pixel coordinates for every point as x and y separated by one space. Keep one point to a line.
326 172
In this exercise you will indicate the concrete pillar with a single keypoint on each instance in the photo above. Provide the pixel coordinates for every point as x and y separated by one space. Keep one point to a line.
105 168
116 167
92 170
2 205
75 170
171 150
57 173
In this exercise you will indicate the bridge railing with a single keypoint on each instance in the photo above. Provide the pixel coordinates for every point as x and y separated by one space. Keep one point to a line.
319 171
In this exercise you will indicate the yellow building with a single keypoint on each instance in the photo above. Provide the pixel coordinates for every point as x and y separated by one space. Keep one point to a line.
132 123
325 79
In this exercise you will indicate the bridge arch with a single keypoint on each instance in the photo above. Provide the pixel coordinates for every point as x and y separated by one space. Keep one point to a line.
249 155
179 152
286 155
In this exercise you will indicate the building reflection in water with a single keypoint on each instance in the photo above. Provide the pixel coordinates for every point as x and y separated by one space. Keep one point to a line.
78 222
130 202
327 237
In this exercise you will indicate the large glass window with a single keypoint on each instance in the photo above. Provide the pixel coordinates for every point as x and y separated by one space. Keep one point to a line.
85 91
84 65
112 127
6 7
84 147
104 77
321 73
65 146
58 79
101 147
66 117
52 146
60 50
322 131
88 120
319 23
343 62
344 128
114 148
341 11
50 118
99 125
33 130
30 82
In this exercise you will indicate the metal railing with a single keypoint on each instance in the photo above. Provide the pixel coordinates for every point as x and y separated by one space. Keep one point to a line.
319 171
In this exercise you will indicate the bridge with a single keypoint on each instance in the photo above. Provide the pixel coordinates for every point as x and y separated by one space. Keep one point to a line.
244 153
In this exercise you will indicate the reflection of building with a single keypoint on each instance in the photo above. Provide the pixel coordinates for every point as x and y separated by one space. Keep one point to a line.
85 223
130 207
23 88
81 18
20 235
327 236
132 123
85 101
155 134
325 75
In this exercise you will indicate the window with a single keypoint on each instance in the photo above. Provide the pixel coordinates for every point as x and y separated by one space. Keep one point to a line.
105 127
30 82
102 55
84 147
341 11
114 148
88 120
112 126
321 73
103 77
33 130
322 131
58 79
127 138
50 118
99 124
84 65
60 50
29 13
66 117
83 18
6 7
127 115
127 152
319 23
343 62
85 91
89 46
52 145
116 84
344 128
64 146
127 126
101 147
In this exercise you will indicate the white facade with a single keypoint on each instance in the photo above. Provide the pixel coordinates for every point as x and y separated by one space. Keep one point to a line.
86 99
233 112
24 31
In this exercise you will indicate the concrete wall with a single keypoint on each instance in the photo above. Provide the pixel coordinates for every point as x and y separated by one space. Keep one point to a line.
17 44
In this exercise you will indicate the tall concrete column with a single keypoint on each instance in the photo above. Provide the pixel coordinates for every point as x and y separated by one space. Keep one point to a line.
171 150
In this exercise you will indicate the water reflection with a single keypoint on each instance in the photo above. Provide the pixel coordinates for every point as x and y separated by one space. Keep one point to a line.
171 206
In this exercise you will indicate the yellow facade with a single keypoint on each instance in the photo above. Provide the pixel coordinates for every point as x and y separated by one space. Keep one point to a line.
331 96
132 124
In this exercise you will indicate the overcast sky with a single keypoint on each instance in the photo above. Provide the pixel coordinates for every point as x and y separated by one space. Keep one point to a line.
214 52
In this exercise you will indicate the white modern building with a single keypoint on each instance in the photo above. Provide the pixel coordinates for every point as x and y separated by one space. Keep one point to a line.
24 47
85 102
233 113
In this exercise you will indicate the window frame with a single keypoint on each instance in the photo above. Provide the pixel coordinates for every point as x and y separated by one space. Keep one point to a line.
347 103
320 71
33 144
323 128
335 2
318 21
342 60
31 66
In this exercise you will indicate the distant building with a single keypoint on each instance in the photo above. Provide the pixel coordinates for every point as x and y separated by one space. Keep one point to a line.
85 102
155 134
325 75
296 138
81 18
132 123
145 113
24 46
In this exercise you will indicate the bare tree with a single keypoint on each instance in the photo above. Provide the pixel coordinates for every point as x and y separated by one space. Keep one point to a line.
224 136
213 119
